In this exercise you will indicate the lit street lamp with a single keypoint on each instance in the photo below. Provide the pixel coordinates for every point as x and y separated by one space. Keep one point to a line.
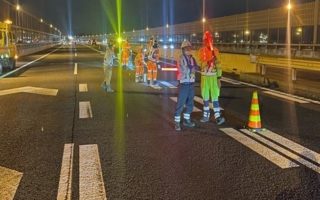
289 6
8 21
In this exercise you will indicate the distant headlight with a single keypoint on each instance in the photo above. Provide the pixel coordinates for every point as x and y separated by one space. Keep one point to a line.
7 55
16 57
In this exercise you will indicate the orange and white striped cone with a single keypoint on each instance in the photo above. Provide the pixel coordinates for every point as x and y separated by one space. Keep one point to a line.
254 123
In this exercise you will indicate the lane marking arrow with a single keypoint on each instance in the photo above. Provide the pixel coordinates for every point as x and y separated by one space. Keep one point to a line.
9 182
31 90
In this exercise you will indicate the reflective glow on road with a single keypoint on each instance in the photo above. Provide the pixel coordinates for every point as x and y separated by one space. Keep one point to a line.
119 135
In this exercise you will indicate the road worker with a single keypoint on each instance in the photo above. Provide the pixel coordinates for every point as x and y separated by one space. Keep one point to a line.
139 64
125 54
210 79
186 75
153 63
108 65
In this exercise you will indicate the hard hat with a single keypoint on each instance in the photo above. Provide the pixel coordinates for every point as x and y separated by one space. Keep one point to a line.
185 44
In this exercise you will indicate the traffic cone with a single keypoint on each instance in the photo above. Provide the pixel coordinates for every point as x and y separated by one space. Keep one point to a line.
254 123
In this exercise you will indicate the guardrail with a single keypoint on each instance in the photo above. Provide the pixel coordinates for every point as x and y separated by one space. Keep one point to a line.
244 62
27 49
290 64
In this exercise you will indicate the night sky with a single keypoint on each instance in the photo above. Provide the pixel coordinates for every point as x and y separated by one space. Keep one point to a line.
96 16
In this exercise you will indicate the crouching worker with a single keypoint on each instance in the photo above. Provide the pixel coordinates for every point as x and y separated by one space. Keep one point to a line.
186 75
108 64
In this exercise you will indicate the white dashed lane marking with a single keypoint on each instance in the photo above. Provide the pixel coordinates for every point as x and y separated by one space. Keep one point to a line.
75 72
83 87
91 186
65 183
85 110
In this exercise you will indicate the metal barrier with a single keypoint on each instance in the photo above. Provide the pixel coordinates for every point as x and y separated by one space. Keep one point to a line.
256 61
290 64
27 49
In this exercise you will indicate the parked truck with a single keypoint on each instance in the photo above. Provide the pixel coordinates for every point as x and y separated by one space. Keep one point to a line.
8 50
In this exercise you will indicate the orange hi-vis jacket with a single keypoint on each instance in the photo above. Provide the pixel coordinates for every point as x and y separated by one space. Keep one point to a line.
125 53
139 63
153 60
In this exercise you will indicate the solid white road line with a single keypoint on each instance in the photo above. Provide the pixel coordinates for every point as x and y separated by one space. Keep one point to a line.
169 85
75 69
85 110
31 90
25 65
65 183
274 91
285 97
200 100
83 87
227 80
12 91
41 91
312 155
284 151
262 150
156 87
91 185
9 182
101 52
195 109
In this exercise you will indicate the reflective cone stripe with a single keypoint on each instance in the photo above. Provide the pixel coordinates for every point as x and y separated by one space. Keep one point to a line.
254 117
255 102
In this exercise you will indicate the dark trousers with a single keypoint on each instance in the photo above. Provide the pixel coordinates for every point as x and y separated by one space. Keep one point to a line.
185 98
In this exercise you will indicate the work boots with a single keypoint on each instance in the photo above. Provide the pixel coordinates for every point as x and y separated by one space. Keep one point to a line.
220 120
188 123
109 89
177 126
206 117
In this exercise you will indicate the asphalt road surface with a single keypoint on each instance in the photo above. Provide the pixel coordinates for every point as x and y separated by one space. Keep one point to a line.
63 137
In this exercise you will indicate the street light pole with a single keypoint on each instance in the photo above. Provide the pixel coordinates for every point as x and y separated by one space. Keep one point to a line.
315 23
204 15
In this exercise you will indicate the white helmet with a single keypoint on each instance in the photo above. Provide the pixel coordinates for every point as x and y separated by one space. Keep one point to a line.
185 44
